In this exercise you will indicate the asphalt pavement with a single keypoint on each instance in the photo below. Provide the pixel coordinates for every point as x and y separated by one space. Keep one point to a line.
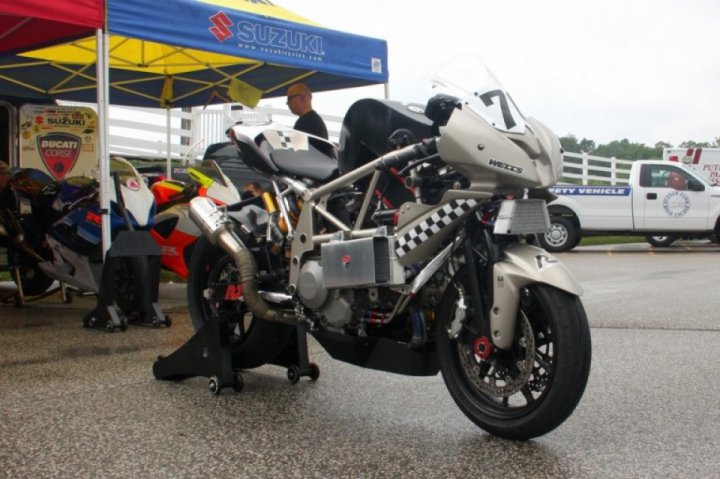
78 403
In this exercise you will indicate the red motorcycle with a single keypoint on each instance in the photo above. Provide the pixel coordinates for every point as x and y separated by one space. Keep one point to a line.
173 229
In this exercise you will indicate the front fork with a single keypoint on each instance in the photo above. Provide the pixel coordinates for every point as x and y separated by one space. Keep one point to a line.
478 324
495 286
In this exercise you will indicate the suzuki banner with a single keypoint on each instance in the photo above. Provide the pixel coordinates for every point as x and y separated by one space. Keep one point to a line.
253 31
60 140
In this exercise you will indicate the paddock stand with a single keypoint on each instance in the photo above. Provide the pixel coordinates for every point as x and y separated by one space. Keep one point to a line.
208 353
141 246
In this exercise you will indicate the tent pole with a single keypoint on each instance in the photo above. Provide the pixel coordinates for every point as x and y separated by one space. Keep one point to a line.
387 90
103 74
169 139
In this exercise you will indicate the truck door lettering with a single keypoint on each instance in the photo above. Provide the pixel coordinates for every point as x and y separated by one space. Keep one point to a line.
562 190
676 204
592 191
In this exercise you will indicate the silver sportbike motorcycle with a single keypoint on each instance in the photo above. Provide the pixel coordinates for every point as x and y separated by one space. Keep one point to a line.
405 250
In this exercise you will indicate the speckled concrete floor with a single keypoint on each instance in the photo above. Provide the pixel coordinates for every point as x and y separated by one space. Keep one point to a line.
82 403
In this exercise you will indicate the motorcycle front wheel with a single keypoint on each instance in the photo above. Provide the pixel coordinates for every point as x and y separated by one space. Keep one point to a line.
535 386
254 342
34 282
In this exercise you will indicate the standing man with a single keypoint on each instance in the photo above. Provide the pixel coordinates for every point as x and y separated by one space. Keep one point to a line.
299 100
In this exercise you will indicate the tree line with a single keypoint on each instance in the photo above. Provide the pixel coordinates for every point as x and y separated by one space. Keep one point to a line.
625 149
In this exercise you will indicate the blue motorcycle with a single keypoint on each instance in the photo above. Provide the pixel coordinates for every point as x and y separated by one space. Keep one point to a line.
60 233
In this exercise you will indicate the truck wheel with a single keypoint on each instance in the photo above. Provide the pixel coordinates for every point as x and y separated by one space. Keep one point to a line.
660 241
563 235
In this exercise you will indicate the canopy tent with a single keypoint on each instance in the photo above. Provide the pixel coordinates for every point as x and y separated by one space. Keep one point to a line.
183 53
37 23
196 52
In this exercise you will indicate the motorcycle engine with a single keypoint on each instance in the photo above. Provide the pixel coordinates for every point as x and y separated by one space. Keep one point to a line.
334 306
338 286
339 308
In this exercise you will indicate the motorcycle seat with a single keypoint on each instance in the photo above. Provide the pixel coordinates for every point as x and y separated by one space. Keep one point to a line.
298 154
288 152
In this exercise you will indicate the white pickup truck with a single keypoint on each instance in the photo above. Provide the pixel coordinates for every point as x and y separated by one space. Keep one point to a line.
664 201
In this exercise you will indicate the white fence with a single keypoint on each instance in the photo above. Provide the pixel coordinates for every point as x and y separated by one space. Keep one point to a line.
144 132
584 168
209 125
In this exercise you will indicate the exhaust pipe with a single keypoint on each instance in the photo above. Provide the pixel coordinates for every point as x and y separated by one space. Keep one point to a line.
218 228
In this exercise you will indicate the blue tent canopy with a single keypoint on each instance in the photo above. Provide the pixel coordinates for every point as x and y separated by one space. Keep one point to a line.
194 52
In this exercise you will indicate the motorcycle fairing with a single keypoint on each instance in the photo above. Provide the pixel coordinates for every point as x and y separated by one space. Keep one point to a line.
174 219
74 190
169 193
72 268
425 234
136 203
80 232
137 198
31 181
176 233
379 353
175 251
495 163
216 184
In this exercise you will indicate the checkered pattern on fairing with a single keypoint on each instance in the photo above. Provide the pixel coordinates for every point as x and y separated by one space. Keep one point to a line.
428 227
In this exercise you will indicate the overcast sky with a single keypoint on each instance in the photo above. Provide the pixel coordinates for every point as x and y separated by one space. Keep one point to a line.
647 71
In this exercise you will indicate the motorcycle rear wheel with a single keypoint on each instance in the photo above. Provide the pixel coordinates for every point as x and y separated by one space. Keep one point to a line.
254 342
130 281
550 322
